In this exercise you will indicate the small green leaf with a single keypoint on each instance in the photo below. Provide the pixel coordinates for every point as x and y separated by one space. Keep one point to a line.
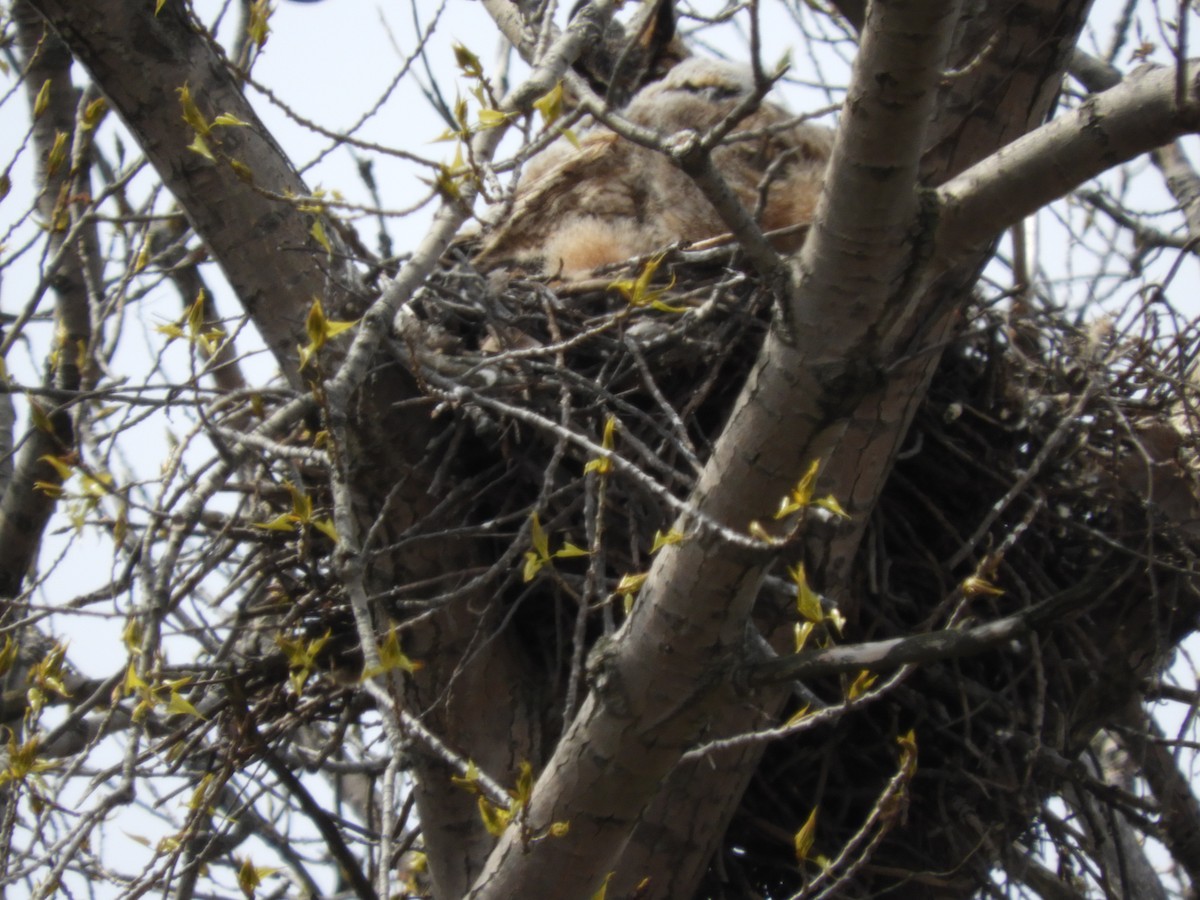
628 588
131 636
57 155
23 762
801 494
334 328
602 893
803 841
200 146
47 675
803 631
284 522
830 504
495 819
181 706
8 654
133 682
94 112
540 555
799 716
320 329
908 752
861 684
493 118
318 232
449 183
468 62
62 466
759 533
250 877
469 780
392 657
522 793
43 99
602 465
258 28
96 484
326 527
637 291
661 540
39 417
539 538
632 583
191 112
533 565
808 604
242 171
199 799
551 105
194 328
977 585
302 657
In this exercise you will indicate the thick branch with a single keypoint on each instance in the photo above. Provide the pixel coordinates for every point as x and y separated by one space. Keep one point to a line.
8 421
141 60
1111 838
1180 811
860 244
1138 115
25 509
656 683
1181 179
1009 59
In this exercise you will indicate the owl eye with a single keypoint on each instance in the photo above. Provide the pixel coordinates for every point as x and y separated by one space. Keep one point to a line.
716 93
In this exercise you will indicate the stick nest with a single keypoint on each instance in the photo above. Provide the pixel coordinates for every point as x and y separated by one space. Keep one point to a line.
1047 461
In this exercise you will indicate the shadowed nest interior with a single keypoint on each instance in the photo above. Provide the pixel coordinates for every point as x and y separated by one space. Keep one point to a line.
1029 464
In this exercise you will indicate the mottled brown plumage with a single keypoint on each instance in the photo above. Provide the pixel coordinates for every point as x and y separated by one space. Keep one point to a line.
578 208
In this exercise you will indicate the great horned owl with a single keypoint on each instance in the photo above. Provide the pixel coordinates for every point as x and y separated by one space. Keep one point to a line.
578 208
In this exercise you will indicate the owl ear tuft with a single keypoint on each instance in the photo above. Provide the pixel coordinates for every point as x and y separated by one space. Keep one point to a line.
633 54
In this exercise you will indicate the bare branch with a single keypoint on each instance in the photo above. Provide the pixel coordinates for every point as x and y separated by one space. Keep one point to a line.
1135 117
1182 180
879 656
1179 809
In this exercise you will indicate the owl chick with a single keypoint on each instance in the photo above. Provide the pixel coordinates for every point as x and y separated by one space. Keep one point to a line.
606 200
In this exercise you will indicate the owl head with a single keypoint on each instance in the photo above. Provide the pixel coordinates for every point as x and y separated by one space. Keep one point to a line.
633 54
